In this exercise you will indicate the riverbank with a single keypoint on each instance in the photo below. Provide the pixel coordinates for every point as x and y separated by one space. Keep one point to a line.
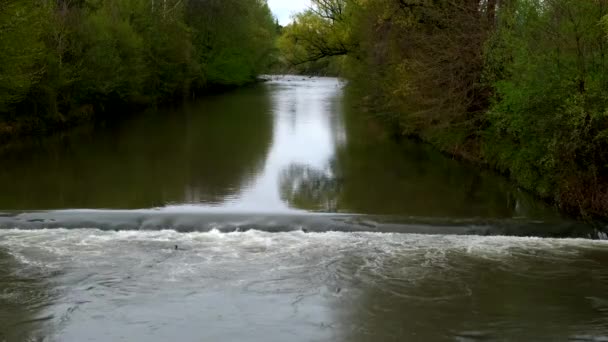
64 63
19 126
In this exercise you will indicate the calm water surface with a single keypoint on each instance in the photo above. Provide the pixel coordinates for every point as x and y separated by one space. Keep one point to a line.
280 212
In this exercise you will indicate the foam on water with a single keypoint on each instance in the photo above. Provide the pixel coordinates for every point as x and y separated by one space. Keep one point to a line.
298 281
28 244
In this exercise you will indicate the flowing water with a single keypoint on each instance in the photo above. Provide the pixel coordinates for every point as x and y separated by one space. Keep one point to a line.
280 212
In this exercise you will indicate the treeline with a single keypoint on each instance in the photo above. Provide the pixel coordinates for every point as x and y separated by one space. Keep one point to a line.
518 85
63 61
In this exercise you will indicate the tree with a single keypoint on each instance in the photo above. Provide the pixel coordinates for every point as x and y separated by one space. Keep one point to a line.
22 24
320 32
65 60
232 37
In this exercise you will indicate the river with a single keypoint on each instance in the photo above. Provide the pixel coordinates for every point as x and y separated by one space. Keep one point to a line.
281 212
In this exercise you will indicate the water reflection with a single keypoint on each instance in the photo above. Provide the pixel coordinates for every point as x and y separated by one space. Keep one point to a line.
302 110
202 152
311 189
371 173
292 144
422 182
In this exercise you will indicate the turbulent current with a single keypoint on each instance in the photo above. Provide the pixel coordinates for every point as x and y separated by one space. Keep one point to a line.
92 285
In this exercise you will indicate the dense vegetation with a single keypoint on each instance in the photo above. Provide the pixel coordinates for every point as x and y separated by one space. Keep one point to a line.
63 61
519 85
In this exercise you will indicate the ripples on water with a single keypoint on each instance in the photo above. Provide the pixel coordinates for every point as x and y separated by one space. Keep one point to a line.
254 285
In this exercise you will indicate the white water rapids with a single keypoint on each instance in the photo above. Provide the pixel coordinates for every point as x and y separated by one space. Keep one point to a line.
94 285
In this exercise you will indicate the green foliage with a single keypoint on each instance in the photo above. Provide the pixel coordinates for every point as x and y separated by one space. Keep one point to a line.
112 64
548 124
22 24
318 39
65 60
234 38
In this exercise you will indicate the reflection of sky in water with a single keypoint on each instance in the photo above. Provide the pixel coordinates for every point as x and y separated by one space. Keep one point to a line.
304 134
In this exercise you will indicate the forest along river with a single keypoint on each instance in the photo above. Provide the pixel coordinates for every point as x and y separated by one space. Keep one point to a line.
278 212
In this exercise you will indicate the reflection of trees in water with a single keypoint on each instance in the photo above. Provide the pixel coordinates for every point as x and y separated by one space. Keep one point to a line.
380 176
410 178
21 298
198 152
307 188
